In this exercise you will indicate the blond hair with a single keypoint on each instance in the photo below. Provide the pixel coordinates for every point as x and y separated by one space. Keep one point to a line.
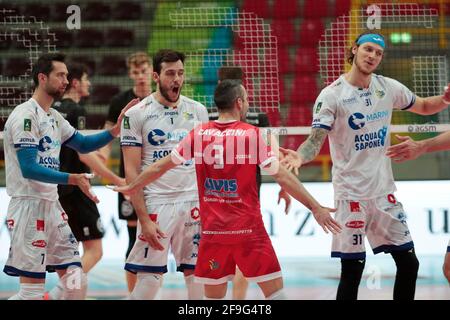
138 58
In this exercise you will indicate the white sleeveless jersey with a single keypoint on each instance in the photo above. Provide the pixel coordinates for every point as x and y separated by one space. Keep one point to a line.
29 126
157 130
359 123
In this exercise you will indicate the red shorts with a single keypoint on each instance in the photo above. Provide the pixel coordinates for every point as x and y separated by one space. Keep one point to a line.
216 262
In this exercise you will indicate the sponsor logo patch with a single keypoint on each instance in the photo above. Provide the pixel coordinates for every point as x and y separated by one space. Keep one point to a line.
153 216
195 213
39 243
10 223
40 224
354 206
355 224
391 198
318 107
380 93
213 265
126 122
26 124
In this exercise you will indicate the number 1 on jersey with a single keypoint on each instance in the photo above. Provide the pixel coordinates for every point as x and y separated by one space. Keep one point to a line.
145 252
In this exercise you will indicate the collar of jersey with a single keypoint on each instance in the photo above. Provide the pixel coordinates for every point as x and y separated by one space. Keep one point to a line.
358 88
228 121
164 106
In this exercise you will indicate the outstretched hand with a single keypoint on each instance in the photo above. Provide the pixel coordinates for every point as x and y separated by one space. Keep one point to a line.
82 181
324 219
126 190
408 149
287 199
290 160
115 130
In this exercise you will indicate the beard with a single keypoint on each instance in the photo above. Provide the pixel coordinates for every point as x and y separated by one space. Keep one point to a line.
54 93
165 93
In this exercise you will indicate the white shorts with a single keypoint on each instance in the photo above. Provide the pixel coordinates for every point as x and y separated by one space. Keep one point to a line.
181 224
383 220
41 239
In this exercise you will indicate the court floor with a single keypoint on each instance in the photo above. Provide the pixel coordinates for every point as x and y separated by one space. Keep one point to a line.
304 279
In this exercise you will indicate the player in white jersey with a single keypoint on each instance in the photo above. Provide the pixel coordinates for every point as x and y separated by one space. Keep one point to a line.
355 113
167 208
41 239
409 149
140 69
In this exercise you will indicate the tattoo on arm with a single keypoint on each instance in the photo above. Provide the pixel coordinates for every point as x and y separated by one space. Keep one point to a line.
311 147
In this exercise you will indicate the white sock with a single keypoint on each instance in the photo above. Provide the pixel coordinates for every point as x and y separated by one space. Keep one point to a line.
147 286
57 292
195 290
277 295
29 291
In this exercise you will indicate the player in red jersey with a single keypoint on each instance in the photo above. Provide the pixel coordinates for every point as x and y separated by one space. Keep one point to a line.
226 152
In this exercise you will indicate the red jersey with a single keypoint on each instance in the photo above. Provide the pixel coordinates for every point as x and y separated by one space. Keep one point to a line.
226 156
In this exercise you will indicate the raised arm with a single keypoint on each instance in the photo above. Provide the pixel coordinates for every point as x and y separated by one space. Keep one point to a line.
292 185
30 169
409 149
431 105
307 151
150 174
93 161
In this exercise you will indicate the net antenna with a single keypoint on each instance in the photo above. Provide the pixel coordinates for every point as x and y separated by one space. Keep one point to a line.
256 53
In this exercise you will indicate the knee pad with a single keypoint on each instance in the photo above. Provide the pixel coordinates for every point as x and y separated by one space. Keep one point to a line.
74 284
351 273
29 291
406 262
405 279
131 239
352 269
